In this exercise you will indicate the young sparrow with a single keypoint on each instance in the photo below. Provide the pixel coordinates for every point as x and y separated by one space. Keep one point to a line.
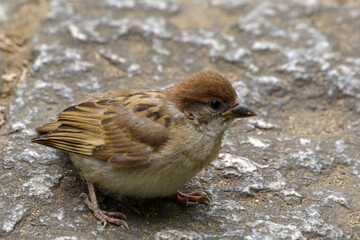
146 142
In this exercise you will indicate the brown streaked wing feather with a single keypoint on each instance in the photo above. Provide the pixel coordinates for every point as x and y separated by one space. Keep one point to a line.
127 132
77 132
120 130
46 128
149 104
128 160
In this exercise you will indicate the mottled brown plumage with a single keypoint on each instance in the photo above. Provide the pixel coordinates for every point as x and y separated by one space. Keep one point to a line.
124 129
145 142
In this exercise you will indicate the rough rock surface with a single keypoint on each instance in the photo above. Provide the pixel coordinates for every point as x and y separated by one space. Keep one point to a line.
291 173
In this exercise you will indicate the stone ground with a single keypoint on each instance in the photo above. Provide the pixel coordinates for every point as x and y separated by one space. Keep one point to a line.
291 173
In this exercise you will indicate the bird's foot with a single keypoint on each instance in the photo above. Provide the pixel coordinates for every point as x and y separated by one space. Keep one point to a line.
104 216
184 198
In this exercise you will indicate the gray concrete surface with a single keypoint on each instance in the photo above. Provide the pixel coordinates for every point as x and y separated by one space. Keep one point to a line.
290 173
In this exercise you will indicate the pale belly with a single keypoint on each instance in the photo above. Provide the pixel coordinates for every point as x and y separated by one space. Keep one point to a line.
144 181
164 175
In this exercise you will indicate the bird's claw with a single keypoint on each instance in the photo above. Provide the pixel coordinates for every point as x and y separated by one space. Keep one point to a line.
104 216
184 198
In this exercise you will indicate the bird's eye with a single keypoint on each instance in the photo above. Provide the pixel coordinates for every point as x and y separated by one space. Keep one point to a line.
215 104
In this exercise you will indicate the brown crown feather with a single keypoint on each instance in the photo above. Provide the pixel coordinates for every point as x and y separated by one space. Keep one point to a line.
202 87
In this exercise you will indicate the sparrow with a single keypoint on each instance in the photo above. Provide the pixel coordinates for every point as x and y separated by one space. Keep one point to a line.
143 142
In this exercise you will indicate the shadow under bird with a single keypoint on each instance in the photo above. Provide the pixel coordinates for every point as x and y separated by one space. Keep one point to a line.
146 142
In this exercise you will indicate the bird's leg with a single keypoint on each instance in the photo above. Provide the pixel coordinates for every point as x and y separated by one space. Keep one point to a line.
184 198
103 216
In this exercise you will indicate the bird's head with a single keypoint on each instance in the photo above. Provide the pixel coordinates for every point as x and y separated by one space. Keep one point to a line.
209 99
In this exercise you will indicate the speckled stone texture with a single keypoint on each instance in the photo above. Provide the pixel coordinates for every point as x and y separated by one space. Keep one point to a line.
290 173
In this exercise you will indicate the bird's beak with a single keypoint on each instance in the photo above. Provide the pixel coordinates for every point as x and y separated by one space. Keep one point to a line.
239 111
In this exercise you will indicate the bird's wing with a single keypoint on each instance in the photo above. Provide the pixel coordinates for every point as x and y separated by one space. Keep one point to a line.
124 129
